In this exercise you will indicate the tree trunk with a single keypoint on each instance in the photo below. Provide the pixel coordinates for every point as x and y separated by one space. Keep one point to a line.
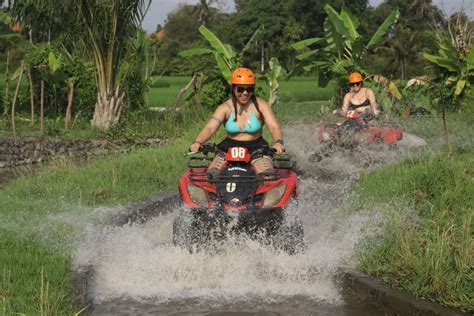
32 97
445 129
182 91
70 95
107 109
262 59
6 85
15 97
42 107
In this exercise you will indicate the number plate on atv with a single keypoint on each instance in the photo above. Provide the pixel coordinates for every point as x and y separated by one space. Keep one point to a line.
238 154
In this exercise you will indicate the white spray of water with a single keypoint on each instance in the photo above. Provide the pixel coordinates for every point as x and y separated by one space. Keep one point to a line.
139 262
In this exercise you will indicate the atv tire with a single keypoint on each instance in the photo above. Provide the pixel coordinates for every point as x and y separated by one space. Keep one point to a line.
189 233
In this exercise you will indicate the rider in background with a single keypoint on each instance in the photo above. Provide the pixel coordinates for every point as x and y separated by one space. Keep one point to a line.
359 99
243 116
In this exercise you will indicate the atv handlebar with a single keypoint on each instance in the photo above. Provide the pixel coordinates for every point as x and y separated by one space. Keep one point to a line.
213 148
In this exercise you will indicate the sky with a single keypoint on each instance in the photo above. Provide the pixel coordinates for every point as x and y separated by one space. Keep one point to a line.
159 9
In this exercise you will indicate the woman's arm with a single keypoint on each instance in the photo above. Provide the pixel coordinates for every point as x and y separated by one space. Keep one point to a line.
210 128
345 104
373 103
272 124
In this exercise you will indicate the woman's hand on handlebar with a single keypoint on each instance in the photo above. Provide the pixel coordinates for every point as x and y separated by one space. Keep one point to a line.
195 147
280 148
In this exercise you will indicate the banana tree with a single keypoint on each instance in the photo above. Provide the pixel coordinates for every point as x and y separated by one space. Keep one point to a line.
276 71
341 49
455 68
227 58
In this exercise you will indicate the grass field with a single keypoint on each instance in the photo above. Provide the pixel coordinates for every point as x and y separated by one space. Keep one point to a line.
298 89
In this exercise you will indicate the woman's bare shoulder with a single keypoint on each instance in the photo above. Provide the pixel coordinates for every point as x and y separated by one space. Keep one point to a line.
262 101
225 106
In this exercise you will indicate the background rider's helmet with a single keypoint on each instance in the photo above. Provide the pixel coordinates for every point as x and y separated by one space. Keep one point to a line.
242 76
355 77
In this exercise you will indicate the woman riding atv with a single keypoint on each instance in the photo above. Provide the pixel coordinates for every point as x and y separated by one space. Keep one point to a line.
243 116
359 99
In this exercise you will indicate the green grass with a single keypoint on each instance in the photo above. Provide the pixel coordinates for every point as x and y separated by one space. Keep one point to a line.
427 246
166 96
35 281
303 89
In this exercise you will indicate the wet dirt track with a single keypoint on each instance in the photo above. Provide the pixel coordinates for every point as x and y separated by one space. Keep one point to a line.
135 269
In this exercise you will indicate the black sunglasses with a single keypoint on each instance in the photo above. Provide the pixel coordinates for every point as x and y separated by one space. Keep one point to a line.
248 89
355 84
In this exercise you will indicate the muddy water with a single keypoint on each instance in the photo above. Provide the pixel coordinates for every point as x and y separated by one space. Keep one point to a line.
137 270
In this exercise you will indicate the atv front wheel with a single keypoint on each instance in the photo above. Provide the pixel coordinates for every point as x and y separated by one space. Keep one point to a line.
188 232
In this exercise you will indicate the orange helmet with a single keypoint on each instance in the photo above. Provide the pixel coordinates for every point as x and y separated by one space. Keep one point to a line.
355 77
242 76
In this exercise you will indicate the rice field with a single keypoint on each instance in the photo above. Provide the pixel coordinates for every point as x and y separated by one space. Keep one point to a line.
297 89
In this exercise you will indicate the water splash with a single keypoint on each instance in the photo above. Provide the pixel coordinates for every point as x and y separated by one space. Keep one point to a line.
138 262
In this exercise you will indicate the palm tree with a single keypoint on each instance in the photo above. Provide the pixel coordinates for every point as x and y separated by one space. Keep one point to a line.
107 28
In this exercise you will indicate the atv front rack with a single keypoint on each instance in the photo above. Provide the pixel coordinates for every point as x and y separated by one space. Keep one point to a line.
204 177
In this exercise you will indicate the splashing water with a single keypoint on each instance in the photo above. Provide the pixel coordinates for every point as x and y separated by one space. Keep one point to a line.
138 262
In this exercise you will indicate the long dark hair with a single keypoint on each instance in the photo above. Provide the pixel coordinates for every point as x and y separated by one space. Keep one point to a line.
234 103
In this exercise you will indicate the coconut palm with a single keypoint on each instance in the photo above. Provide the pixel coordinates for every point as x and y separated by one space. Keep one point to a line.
106 30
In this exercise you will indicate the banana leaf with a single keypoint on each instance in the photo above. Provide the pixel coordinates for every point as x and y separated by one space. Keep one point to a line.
215 42
255 36
424 102
446 63
307 54
341 66
231 50
224 67
337 22
334 37
305 43
392 88
195 52
470 59
459 87
383 29
351 23
447 49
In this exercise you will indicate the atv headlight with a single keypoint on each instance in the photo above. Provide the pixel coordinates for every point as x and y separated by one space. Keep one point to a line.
198 195
274 195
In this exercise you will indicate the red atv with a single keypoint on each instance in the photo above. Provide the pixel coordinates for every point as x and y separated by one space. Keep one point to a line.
359 127
236 200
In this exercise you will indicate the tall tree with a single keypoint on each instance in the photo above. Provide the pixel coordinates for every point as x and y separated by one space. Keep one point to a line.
411 35
108 28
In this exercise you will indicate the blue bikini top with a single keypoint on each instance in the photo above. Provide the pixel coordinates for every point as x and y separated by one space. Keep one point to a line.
253 124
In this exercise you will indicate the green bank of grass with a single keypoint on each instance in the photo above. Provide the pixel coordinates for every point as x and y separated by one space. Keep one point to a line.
428 250
35 281
29 205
